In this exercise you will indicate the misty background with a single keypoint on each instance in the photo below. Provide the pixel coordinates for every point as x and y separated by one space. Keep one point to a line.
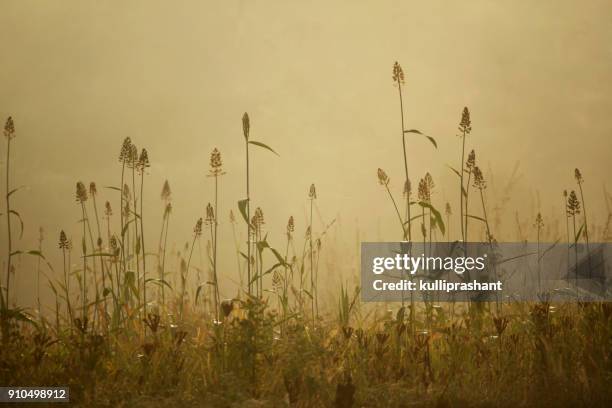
315 77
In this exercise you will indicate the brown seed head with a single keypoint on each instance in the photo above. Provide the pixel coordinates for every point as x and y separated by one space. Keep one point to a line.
398 73
216 163
81 192
578 176
471 161
246 125
143 161
197 230
573 204
312 193
383 179
124 154
93 190
407 188
210 214
63 240
166 193
465 126
290 226
479 181
9 128
108 211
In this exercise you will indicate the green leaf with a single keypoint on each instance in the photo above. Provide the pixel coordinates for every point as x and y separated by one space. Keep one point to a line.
159 282
20 222
418 132
577 237
256 143
14 190
266 272
436 214
454 170
197 294
242 206
477 218
98 254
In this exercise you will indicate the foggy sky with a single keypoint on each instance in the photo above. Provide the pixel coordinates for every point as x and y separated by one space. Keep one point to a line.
315 78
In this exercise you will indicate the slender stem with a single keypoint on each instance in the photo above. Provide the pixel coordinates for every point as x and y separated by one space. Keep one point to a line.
142 248
163 268
217 299
248 220
396 211
399 88
8 224
312 287
586 229
461 189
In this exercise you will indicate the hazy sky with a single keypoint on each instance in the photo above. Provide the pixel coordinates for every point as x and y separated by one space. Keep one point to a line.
315 77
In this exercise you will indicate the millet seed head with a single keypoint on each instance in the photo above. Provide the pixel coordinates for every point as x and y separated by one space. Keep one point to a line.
573 204
197 230
479 181
216 163
143 161
246 125
578 176
210 214
81 192
124 154
312 193
383 179
166 193
398 73
465 126
9 128
63 240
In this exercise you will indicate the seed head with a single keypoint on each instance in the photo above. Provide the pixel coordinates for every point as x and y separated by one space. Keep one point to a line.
430 184
423 191
126 148
132 160
126 193
113 244
246 125
9 128
258 219
573 204
93 190
539 222
166 193
210 214
143 161
63 240
578 176
81 192
216 163
383 179
197 230
290 226
312 193
407 188
398 73
465 126
448 209
479 181
471 161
